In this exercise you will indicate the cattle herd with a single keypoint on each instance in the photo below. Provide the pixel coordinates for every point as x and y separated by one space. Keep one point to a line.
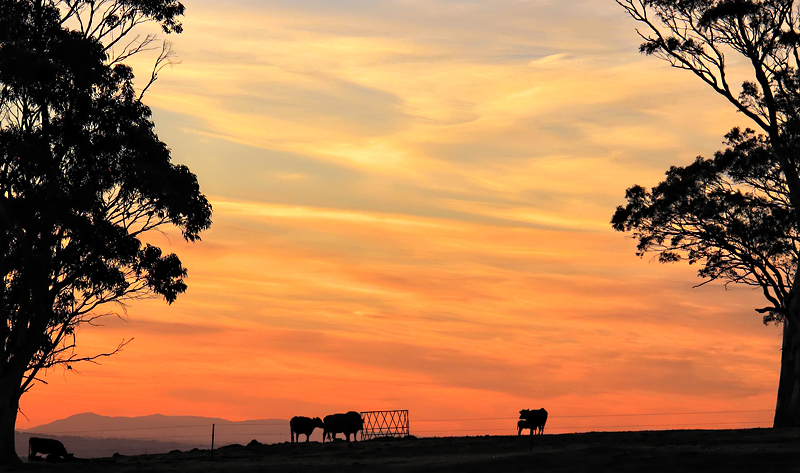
348 423
352 422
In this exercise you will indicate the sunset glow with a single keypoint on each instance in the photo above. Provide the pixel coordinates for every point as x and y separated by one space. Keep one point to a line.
411 211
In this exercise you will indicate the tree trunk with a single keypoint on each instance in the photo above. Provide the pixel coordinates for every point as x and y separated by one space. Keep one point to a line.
9 406
787 410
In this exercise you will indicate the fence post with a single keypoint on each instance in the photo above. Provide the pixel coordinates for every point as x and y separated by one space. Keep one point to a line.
212 440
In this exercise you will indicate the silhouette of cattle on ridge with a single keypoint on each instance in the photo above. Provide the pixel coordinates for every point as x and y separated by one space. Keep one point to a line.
304 425
346 424
50 447
535 419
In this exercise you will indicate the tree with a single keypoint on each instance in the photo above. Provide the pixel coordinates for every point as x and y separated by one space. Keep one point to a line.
83 177
705 37
731 214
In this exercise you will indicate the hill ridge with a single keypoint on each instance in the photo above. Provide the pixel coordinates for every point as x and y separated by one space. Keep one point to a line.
80 431
89 422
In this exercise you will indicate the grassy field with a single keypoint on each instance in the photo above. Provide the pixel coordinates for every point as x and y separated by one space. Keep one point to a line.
756 450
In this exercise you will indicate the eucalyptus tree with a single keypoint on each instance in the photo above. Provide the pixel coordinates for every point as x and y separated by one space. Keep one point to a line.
747 51
730 214
83 178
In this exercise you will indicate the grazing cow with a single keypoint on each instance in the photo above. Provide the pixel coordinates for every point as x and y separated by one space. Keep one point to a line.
304 425
535 419
346 424
522 425
50 447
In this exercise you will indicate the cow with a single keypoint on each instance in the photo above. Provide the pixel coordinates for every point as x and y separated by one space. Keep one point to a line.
50 447
535 419
522 425
304 425
346 424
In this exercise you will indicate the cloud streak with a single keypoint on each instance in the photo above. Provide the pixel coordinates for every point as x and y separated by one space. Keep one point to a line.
411 211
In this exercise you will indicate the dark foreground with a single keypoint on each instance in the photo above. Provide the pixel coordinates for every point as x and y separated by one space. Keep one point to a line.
659 451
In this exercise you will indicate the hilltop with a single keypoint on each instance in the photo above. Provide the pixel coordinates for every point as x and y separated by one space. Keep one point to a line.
728 451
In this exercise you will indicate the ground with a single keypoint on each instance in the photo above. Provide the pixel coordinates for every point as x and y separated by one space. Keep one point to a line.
760 450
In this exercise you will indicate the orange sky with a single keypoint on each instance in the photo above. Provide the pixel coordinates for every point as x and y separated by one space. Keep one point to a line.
411 206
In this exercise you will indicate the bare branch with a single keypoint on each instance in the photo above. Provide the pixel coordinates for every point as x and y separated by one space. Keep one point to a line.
165 58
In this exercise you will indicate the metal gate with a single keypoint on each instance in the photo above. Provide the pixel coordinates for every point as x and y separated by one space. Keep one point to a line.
385 424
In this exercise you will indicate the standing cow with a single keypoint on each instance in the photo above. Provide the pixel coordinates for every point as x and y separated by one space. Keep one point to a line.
50 447
304 425
535 419
346 424
522 425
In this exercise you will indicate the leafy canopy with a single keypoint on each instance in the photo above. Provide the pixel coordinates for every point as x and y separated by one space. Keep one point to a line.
83 177
731 214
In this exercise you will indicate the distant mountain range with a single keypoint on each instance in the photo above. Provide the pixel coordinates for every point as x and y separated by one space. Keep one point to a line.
91 435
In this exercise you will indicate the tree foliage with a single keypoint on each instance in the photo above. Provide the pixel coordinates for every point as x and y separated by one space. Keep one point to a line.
83 177
737 214
701 36
718 40
730 214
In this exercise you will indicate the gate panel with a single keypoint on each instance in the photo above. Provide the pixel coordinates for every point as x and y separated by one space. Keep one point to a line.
385 424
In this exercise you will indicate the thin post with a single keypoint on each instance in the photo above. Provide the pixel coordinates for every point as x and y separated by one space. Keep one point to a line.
212 440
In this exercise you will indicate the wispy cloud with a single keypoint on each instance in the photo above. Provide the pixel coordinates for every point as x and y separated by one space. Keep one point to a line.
411 209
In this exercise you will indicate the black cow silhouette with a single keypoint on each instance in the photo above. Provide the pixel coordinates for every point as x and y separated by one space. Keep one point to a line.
304 425
51 447
535 419
347 424
522 425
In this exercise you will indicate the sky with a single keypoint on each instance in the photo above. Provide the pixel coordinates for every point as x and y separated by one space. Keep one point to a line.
411 211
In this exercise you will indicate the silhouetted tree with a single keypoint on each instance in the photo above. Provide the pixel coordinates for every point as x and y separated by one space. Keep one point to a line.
83 177
763 37
731 214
